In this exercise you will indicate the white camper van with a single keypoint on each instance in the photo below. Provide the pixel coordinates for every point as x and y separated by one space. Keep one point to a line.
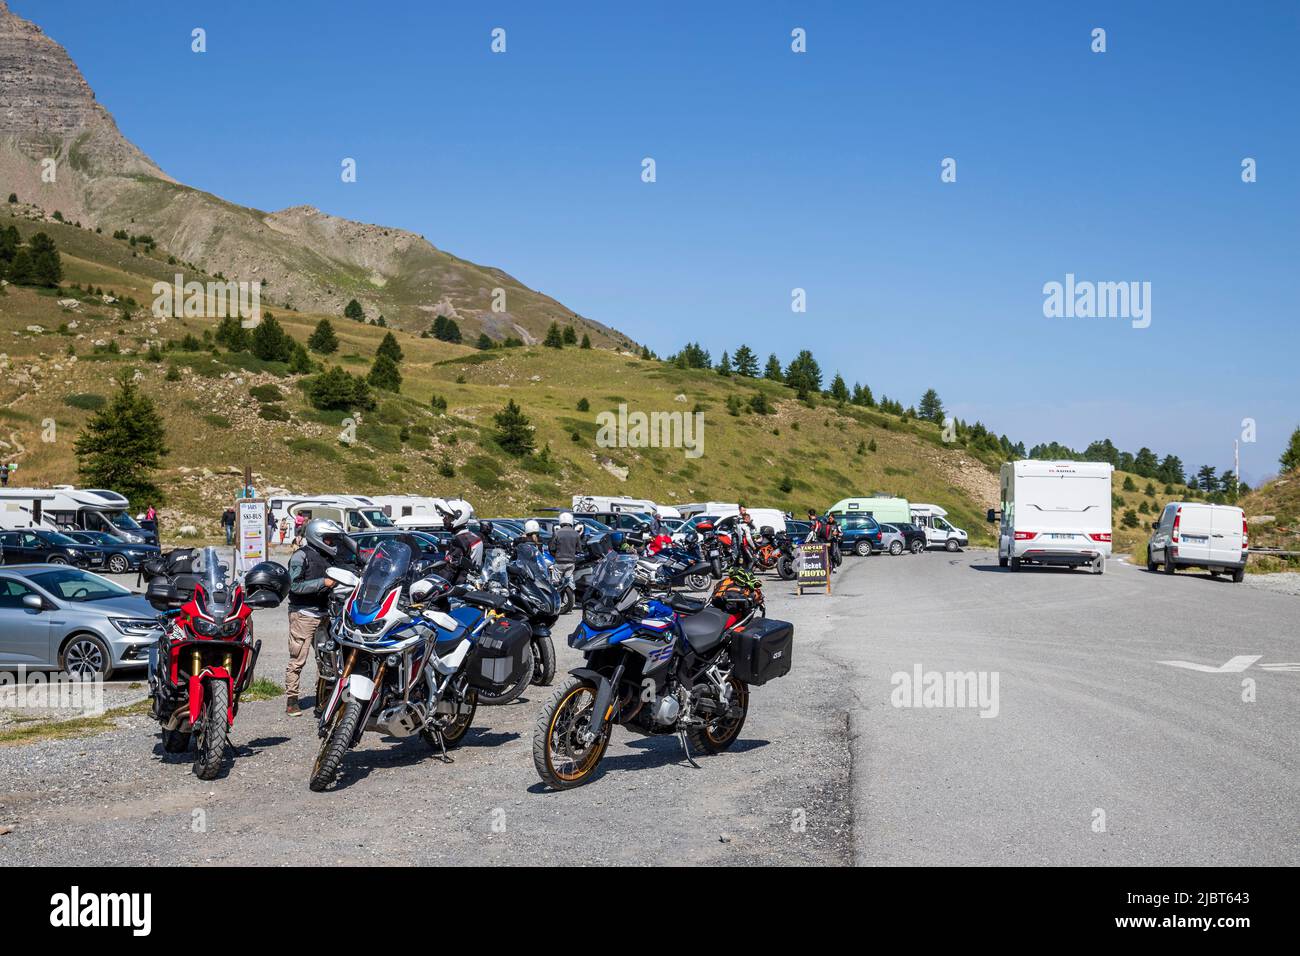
1194 534
408 506
933 520
66 508
353 512
1054 513
605 504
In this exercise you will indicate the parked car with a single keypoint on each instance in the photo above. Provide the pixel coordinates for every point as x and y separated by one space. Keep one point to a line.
63 618
892 540
914 537
120 556
39 546
1193 534
432 544
862 534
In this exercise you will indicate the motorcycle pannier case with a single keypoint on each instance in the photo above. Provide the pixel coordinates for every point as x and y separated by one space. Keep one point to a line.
497 657
762 650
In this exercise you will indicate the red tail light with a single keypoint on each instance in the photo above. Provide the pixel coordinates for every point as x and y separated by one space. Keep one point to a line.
1026 535
1104 536
1245 533
1178 515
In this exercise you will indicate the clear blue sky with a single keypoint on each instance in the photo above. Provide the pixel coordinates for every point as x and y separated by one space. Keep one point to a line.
778 170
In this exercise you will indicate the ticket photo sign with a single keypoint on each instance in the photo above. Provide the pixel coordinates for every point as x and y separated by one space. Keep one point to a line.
814 566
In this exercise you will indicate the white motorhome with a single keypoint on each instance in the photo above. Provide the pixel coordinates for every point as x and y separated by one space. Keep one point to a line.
1054 513
1195 534
353 512
408 506
933 520
707 508
64 507
600 504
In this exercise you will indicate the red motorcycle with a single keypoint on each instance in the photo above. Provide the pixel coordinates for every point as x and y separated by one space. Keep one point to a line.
205 658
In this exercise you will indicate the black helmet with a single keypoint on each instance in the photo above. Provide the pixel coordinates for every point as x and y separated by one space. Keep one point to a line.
485 530
266 584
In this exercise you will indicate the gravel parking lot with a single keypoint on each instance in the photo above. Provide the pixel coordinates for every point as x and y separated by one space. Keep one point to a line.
1121 702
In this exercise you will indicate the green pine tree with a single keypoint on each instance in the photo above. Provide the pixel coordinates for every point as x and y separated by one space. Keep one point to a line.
745 362
554 337
390 348
354 311
323 341
123 445
384 374
514 432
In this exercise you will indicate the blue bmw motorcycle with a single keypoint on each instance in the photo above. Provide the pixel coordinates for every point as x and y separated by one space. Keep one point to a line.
655 667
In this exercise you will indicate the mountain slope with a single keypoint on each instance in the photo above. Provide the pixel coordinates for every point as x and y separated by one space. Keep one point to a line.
304 257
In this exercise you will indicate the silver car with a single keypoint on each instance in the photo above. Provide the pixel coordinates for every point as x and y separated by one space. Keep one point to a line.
892 540
56 617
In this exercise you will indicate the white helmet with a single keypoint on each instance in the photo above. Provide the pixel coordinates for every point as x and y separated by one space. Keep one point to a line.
566 520
532 527
455 512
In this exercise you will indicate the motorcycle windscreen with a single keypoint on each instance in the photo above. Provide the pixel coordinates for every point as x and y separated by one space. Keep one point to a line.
613 577
212 593
533 579
387 568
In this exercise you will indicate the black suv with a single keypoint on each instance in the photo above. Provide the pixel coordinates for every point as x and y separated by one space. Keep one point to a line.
41 546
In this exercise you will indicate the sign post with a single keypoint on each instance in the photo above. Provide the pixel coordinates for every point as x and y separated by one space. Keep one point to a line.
814 566
251 546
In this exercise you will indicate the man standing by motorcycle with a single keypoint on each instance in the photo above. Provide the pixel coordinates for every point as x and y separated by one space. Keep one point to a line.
565 543
309 594
745 539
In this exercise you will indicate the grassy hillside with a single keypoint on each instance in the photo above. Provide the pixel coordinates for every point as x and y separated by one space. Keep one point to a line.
801 455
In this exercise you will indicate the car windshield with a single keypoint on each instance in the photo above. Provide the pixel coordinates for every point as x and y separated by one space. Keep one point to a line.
386 569
55 537
120 519
613 576
69 584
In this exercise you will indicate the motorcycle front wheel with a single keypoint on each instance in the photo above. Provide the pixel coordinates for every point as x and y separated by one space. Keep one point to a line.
489 699
335 745
213 730
697 582
785 568
543 661
561 755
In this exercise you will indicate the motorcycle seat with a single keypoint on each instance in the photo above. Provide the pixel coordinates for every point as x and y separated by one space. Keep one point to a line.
684 604
487 599
704 630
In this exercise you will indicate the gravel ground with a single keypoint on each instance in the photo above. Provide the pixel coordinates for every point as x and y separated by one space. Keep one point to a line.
1283 582
781 795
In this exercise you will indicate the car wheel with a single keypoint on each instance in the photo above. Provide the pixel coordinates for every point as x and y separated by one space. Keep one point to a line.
896 548
118 564
86 656
1238 575
862 549
917 547
952 545
1170 567
1015 564
1151 562
57 559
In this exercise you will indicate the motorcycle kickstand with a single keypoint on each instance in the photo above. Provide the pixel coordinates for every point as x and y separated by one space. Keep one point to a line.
681 733
442 745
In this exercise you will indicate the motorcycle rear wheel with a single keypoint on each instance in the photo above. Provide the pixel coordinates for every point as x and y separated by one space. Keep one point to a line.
558 755
785 568
717 736
455 731
697 582
489 699
213 731
335 745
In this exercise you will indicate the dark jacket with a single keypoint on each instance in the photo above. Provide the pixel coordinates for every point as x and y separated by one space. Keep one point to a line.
307 575
565 543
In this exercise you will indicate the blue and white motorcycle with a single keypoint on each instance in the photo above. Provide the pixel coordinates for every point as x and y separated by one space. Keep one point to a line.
655 667
403 663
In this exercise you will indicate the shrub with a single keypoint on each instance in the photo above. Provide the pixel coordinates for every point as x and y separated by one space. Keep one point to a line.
87 401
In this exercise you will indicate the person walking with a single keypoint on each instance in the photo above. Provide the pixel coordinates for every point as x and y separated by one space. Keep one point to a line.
228 525
299 522
309 594
284 529
4 475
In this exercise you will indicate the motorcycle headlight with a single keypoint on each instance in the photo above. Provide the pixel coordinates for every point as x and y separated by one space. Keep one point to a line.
230 628
601 619
203 628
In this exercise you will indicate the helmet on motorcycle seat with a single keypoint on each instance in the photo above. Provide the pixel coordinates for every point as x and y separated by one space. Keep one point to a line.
532 527
566 520
323 534
266 584
616 539
455 513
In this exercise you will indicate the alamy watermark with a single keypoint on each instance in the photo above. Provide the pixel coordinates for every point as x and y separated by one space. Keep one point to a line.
210 300
57 692
624 429
1084 299
946 689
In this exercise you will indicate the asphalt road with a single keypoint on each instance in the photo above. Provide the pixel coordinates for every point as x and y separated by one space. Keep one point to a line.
828 770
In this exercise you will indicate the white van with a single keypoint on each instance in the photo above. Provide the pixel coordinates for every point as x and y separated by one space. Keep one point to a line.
1055 513
933 520
66 508
407 506
1194 534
